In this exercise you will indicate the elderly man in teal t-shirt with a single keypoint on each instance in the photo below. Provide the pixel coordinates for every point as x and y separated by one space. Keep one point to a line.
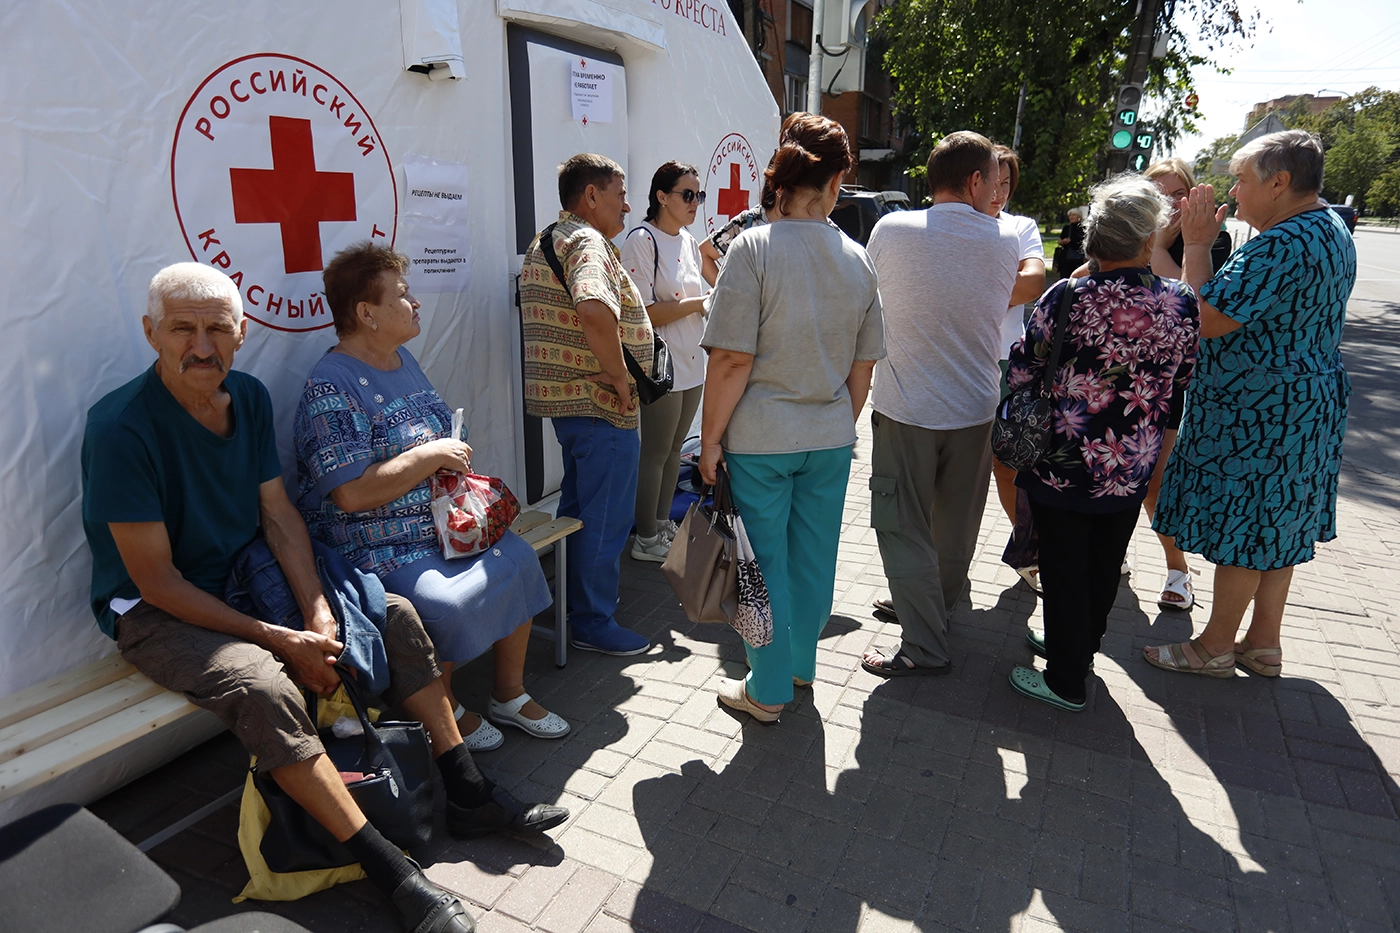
179 471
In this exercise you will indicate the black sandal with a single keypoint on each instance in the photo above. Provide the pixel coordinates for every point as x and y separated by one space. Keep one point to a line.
899 665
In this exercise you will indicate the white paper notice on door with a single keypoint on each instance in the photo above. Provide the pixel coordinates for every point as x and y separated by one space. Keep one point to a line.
439 256
433 231
591 90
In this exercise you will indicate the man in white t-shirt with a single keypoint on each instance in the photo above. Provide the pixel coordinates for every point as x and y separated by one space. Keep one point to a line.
946 276
1022 551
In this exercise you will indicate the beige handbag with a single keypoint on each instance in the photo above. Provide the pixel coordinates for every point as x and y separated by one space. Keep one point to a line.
703 565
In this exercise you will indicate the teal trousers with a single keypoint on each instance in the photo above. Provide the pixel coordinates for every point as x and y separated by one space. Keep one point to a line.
791 505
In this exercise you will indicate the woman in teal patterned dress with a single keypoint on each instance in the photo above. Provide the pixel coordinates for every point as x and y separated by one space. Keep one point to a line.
1252 484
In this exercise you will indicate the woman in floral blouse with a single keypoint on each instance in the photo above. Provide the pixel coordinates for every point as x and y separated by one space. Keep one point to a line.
1131 341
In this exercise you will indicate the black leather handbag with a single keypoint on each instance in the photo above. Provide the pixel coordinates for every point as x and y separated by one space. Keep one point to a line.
650 385
395 794
1024 426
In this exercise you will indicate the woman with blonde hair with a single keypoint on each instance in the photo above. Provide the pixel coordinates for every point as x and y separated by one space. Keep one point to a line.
1174 179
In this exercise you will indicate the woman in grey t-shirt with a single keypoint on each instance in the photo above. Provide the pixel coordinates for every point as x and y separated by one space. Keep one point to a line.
794 333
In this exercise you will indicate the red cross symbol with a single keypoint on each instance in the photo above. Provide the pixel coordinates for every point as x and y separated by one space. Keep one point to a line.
293 194
733 200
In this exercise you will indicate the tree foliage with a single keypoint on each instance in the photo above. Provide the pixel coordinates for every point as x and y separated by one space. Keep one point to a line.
1222 148
1361 135
959 64
1383 197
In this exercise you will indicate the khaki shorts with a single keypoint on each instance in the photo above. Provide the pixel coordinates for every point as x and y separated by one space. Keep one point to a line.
248 688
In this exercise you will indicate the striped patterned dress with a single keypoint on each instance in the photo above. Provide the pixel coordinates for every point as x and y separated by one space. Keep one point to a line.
1253 479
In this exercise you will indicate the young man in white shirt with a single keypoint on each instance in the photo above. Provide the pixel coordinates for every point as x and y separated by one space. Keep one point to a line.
946 277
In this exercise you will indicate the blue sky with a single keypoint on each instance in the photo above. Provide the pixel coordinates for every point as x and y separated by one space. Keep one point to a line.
1306 47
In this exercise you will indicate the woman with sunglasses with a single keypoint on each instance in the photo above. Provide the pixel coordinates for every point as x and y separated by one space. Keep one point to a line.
663 260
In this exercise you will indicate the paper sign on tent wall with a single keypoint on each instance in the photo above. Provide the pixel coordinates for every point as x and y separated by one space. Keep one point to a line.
591 90
434 229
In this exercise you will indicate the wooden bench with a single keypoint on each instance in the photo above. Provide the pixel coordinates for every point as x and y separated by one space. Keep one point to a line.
51 731
543 534
54 730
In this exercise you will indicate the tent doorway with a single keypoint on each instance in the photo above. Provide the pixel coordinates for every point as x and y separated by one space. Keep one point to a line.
544 134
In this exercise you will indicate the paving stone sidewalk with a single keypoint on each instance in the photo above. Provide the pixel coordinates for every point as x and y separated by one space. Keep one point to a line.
926 804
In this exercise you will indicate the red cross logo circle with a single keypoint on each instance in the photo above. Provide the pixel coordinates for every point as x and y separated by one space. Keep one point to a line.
275 167
733 181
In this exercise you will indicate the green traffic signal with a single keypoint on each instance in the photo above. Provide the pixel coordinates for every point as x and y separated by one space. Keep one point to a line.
1122 139
1139 161
1127 117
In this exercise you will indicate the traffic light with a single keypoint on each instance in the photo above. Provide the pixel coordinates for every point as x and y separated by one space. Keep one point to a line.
1125 118
1141 153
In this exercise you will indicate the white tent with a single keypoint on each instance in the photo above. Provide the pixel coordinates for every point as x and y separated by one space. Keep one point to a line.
263 136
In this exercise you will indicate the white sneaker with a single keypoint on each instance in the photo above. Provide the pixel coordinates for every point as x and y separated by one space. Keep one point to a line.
653 548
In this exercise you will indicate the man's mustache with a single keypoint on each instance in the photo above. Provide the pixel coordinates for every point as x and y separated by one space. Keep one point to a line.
192 359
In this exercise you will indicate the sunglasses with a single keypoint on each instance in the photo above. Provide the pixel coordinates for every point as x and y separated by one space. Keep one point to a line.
689 194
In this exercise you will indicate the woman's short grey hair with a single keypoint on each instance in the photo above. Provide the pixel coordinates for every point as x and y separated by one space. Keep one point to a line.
191 281
1297 152
1124 212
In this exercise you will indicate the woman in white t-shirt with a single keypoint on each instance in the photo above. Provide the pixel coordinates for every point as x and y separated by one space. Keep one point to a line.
663 259
1021 552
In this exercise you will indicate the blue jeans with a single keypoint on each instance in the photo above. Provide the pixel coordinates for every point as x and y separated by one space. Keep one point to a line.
791 505
600 489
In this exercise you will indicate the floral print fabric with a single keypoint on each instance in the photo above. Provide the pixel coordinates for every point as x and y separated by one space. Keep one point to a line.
1130 345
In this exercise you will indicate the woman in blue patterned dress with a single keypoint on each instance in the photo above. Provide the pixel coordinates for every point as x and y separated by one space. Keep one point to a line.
369 432
1252 484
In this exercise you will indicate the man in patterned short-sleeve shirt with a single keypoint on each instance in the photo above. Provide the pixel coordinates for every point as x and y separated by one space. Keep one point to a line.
576 375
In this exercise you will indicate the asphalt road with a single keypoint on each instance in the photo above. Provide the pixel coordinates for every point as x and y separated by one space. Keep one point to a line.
1371 351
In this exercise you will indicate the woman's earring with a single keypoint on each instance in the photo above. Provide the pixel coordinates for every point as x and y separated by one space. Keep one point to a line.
373 326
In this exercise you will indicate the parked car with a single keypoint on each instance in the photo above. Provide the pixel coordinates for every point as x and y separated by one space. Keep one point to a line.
1347 213
858 208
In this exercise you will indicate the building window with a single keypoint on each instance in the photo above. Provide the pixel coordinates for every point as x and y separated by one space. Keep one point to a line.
799 24
872 119
795 93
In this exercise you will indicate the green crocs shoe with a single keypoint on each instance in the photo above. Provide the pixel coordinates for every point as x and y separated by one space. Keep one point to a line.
1036 642
1030 682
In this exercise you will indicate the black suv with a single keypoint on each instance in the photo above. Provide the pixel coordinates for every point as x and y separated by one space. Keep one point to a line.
858 208
1347 213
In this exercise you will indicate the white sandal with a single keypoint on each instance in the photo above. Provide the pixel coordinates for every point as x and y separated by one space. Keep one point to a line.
1032 577
484 738
552 726
1178 583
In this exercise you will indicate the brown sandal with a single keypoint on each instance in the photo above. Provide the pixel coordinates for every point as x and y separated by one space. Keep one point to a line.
1249 658
1174 658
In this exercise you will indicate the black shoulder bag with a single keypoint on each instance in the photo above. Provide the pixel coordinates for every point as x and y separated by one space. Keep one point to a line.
395 793
650 385
1024 426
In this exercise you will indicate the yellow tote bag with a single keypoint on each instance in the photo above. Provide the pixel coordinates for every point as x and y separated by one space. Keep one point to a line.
264 884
